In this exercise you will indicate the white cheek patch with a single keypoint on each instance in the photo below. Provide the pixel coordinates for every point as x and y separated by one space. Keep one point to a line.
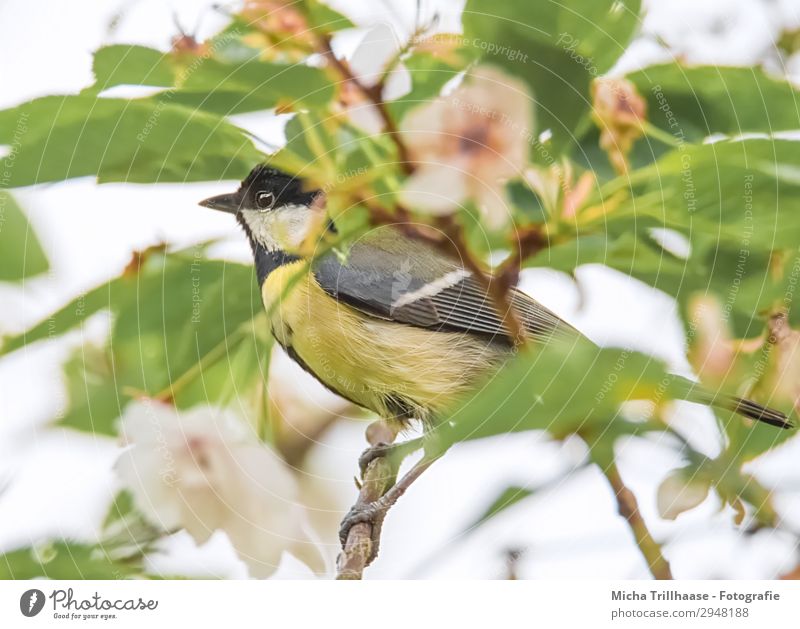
283 228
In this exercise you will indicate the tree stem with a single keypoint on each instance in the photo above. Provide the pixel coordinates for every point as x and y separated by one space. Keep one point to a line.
629 509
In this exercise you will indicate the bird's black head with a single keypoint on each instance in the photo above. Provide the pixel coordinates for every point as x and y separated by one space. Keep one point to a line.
275 209
264 189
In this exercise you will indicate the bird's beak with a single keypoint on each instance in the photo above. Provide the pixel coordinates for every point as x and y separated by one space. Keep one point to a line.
222 202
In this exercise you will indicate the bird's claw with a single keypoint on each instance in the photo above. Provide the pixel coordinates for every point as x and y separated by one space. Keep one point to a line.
371 514
395 452
373 452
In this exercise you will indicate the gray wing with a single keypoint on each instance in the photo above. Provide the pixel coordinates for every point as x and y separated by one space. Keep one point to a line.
391 277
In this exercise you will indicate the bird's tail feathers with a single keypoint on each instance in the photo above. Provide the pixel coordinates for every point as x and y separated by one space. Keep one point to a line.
753 410
694 392
742 406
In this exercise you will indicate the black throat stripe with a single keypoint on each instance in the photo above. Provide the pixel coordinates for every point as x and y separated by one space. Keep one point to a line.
268 261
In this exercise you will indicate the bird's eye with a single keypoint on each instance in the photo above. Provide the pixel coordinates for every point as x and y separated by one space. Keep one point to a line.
265 200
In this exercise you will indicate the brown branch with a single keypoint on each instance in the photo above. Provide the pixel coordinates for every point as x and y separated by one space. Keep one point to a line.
629 509
374 94
377 480
530 241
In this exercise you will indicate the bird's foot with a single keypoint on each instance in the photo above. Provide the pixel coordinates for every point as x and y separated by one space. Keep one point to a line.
372 514
377 451
396 452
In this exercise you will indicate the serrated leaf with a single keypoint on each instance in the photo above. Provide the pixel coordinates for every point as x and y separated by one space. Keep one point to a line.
67 318
211 84
731 190
734 201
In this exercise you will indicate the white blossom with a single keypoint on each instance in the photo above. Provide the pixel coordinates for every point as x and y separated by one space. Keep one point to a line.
468 144
203 470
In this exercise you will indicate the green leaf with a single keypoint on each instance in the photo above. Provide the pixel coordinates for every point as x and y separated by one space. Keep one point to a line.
557 48
69 317
324 19
507 498
137 141
528 204
132 65
207 83
429 74
300 155
692 103
176 319
251 85
749 283
64 560
744 192
747 439
176 311
234 379
634 253
735 201
562 388
94 402
121 508
21 255
328 156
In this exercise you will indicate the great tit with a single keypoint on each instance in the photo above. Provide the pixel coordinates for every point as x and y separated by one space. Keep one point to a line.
395 326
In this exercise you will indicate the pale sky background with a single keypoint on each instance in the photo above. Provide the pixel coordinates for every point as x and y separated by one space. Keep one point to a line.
59 482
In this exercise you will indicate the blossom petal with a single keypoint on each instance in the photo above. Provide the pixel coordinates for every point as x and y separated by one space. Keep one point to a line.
434 189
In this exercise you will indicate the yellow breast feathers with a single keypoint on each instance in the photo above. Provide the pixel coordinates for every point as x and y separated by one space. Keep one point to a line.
390 368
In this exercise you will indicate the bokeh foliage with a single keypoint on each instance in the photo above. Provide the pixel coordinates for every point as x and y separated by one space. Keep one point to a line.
733 202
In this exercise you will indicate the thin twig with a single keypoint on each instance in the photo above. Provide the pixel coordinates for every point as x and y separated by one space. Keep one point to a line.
378 478
629 509
374 94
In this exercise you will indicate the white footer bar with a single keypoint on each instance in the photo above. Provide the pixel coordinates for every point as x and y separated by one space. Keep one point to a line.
393 604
